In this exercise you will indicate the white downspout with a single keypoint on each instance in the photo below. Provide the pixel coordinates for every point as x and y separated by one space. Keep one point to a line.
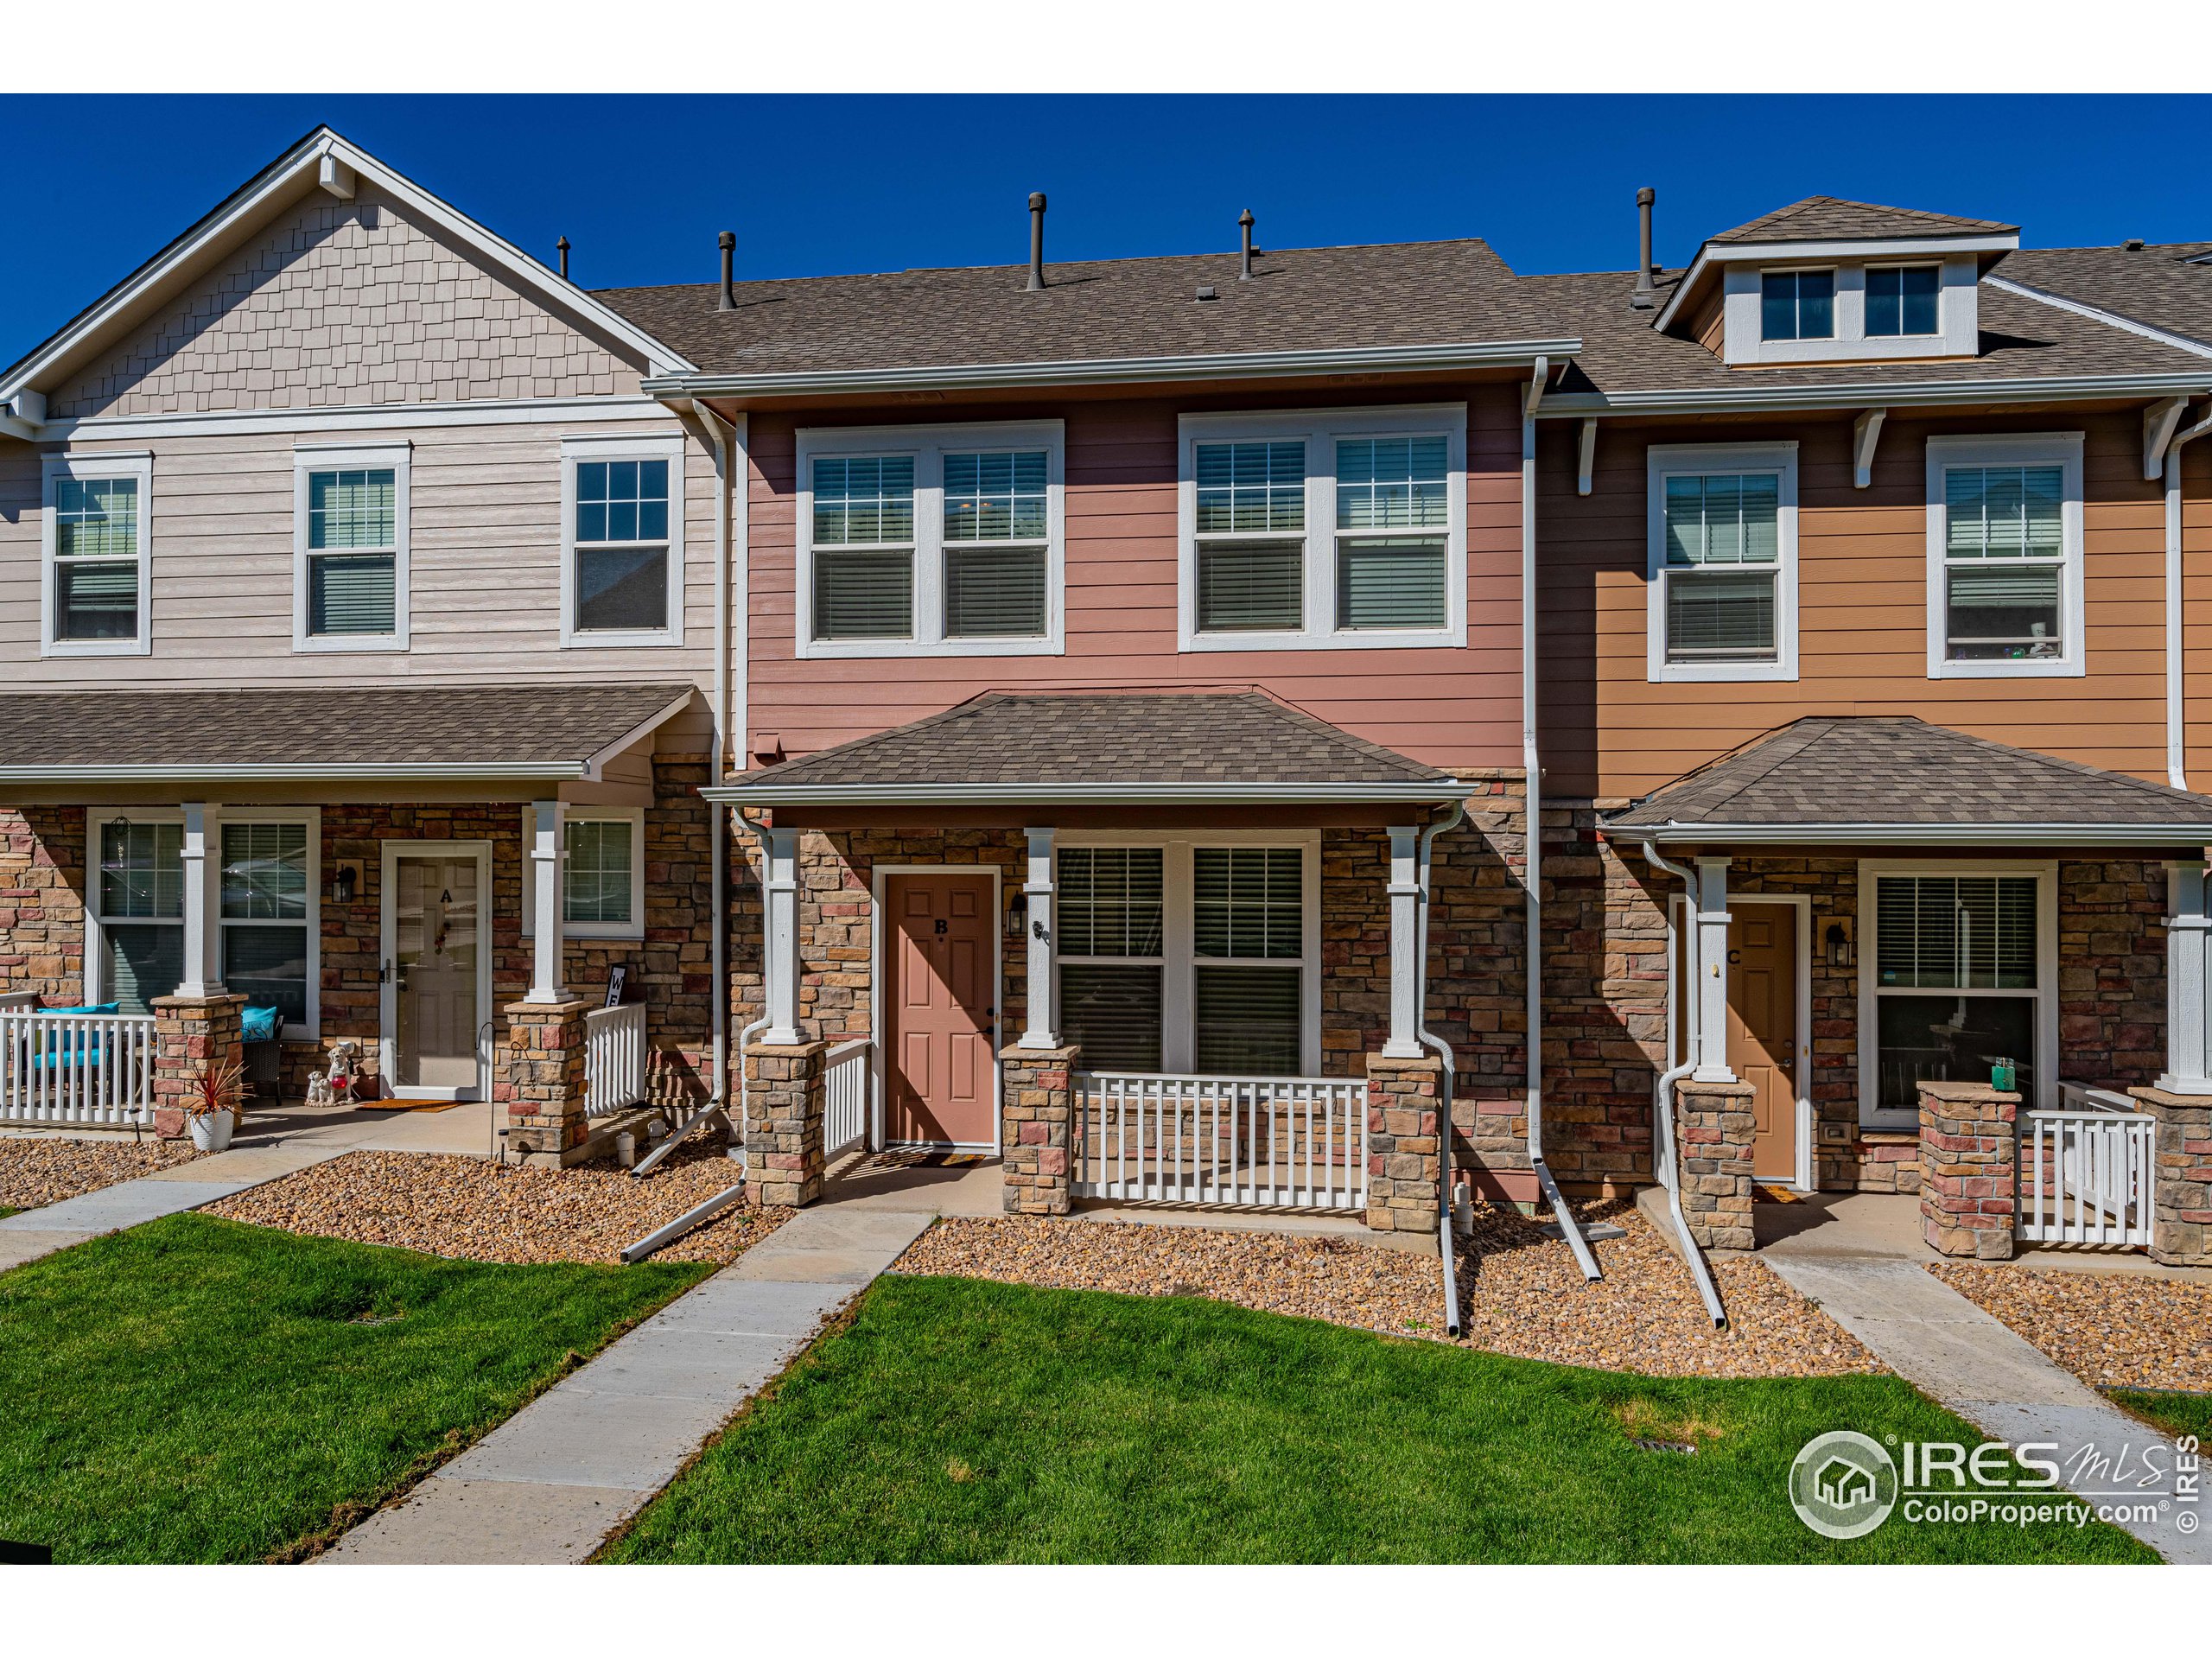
724 438
2177 719
1451 1322
1533 879
1662 1095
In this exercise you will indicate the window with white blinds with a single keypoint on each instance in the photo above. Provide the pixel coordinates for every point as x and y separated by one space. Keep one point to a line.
138 909
352 551
265 901
1958 983
1251 536
96 555
1109 916
1247 907
1722 562
2005 555
931 540
1393 525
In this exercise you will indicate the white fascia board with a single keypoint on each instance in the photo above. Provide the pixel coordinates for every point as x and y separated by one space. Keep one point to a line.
1919 835
1448 789
357 417
652 723
10 427
1895 394
2096 314
1403 359
445 771
1899 247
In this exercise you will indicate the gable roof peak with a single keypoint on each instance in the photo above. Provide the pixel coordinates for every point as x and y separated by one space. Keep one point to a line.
1824 219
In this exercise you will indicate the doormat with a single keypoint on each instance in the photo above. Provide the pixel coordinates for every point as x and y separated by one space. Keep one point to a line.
413 1105
1762 1193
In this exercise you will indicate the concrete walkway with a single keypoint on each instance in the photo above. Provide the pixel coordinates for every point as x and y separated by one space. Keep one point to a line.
550 1483
1975 1366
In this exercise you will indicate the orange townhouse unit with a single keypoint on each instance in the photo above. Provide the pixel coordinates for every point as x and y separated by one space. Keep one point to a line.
1353 730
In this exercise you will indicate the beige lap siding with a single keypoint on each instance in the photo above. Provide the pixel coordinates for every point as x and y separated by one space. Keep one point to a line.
42 902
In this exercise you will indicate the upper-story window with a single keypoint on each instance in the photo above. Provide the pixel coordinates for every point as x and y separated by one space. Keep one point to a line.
350 510
1798 305
622 565
931 540
1903 300
98 566
1723 561
2005 555
1323 528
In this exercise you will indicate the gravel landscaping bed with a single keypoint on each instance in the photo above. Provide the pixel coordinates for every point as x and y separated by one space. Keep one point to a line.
1521 1293
2112 1330
36 1172
475 1210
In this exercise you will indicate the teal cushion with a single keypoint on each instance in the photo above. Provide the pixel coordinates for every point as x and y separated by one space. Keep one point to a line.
259 1025
91 1008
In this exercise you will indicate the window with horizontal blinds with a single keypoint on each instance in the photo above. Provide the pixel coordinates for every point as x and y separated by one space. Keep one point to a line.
142 869
1956 932
96 517
1246 1020
1112 1012
140 960
996 495
1248 587
1723 518
95 600
264 871
1391 581
1110 901
1248 902
352 551
2003 615
597 886
1902 300
994 591
863 595
1720 529
2004 512
1253 489
1720 616
2004 551
863 500
268 966
352 593
1392 484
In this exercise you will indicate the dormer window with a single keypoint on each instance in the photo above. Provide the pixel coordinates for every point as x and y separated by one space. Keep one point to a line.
1902 300
1798 305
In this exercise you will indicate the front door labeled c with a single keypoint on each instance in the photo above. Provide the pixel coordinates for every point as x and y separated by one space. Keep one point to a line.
940 962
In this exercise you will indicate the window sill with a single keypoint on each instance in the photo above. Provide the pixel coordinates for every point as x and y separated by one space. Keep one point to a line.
586 640
1047 646
1341 639
596 932
332 642
1720 673
2026 668
1884 1120
97 648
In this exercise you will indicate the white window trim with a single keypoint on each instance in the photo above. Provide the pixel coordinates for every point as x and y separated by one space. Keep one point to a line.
1870 1115
1935 265
139 465
1179 960
310 459
1321 429
1957 308
1665 460
928 445
96 922
2028 449
633 929
574 449
1835 305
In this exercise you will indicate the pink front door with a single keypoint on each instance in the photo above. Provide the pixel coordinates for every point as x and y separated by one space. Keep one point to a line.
939 960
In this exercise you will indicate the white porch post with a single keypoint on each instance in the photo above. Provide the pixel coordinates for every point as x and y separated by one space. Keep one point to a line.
2189 936
1036 893
548 838
1404 1041
202 860
1711 1001
779 957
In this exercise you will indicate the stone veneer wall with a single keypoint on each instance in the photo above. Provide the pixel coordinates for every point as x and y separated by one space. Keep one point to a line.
42 902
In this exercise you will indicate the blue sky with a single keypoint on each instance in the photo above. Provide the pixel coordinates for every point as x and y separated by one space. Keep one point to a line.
640 185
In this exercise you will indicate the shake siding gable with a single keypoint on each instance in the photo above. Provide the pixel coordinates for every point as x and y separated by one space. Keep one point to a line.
1447 706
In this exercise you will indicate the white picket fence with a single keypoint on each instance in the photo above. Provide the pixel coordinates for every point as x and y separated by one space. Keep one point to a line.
614 1058
2086 1171
1276 1143
845 1091
76 1068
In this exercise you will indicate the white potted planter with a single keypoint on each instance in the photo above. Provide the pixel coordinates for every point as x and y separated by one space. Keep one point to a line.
211 1131
211 1108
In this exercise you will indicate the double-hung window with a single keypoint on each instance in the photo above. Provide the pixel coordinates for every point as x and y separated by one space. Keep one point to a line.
1190 955
931 540
1722 562
350 510
622 556
267 945
1958 980
602 877
1323 528
2005 566
98 585
1798 305
1903 300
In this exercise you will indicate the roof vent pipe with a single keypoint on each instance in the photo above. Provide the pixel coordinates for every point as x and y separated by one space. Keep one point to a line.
1244 222
562 248
1644 297
1036 240
727 240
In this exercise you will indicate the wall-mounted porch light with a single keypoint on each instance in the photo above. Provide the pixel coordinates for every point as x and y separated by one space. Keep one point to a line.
344 881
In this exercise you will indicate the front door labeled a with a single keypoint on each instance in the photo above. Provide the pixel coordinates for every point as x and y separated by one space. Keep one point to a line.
435 964
940 955
1763 1030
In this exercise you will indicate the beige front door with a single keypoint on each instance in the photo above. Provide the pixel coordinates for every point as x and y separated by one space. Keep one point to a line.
435 948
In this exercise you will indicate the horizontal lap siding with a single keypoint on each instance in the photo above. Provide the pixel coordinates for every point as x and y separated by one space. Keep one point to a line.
1449 707
1861 609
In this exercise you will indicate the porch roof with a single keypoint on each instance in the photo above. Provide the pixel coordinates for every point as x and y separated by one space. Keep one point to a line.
403 734
1114 746
1875 780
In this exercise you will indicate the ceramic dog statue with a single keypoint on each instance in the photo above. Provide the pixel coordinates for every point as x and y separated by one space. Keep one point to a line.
329 1088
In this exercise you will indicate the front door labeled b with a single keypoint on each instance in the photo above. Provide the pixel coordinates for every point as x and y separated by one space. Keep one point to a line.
940 963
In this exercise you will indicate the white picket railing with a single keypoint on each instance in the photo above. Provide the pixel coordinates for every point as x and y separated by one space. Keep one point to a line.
614 1058
1277 1143
76 1068
2086 1173
845 1091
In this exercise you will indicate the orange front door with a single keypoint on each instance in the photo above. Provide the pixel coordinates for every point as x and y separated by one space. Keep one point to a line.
1763 1030
939 957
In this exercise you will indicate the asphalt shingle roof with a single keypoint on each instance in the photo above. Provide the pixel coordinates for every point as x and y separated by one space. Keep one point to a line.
1821 218
354 726
2157 286
1874 770
1060 738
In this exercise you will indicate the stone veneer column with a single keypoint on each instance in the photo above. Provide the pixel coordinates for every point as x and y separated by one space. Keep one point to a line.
193 1036
1969 1169
1713 1126
547 1123
783 1160
2181 1228
1036 1112
1404 1163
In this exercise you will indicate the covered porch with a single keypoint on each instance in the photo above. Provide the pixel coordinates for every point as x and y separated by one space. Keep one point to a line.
1903 959
1141 948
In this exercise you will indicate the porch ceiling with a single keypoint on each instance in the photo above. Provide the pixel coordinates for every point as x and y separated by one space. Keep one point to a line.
403 734
1875 780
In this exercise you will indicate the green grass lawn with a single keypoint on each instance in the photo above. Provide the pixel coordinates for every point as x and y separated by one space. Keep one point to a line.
2177 1413
956 1420
197 1390
5 1213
